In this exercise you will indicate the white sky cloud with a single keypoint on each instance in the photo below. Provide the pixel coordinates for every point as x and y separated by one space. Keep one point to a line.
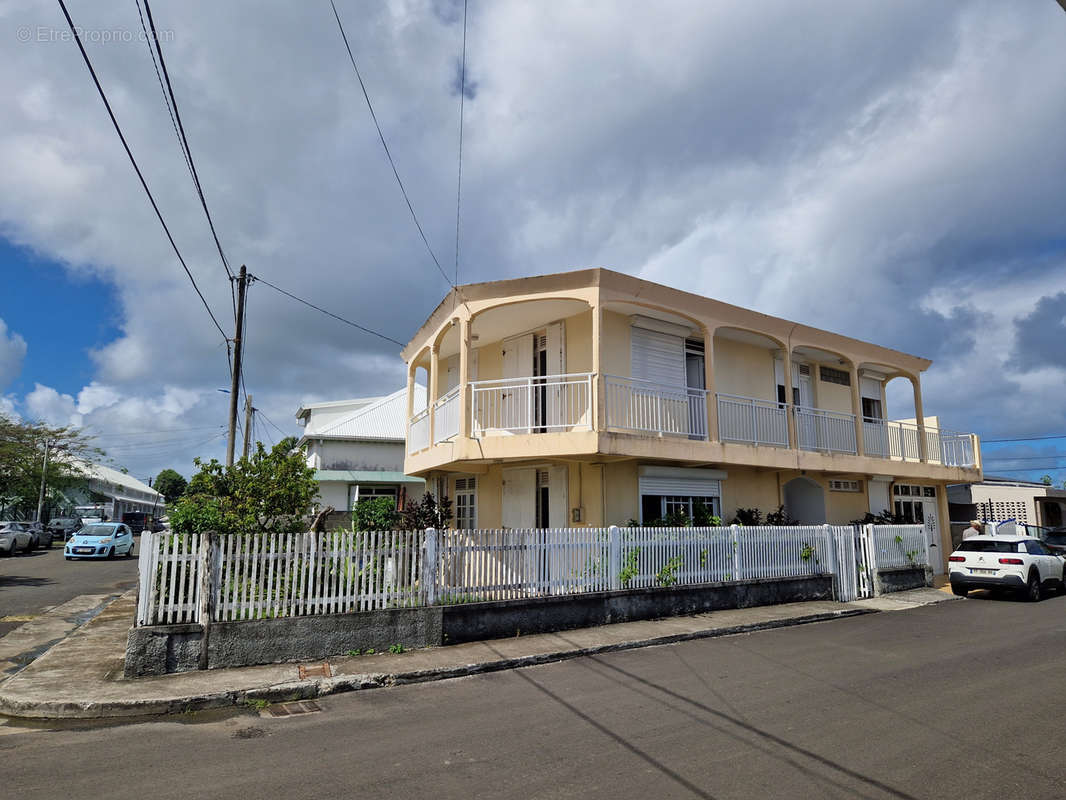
12 353
890 171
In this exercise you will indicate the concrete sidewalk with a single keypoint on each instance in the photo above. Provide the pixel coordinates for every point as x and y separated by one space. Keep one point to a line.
81 676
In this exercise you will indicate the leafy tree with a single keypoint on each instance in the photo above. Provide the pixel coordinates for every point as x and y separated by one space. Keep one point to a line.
170 484
375 514
1047 480
427 513
268 492
22 457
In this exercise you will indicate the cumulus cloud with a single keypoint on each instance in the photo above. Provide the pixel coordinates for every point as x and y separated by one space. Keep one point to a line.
12 352
889 172
1040 336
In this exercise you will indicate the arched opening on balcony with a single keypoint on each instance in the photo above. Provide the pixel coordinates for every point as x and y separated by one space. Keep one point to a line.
804 501
825 400
418 405
531 365
750 374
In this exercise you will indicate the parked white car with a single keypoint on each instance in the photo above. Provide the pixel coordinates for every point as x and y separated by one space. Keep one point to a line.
1020 563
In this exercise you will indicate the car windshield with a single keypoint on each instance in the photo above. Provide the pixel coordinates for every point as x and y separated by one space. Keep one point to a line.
1056 538
61 521
97 530
985 546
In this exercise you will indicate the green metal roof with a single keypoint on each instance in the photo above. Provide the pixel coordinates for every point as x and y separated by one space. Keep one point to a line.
365 476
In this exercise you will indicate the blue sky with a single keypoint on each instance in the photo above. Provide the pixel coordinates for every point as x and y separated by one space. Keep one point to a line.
890 171
62 317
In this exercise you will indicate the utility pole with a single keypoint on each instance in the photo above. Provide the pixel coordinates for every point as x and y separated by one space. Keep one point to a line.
44 475
235 383
247 422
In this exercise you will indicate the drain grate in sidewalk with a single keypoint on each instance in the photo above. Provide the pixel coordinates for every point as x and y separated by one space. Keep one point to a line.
292 709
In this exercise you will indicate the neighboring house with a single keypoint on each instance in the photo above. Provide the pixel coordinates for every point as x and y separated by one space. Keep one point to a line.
995 499
113 493
357 449
595 398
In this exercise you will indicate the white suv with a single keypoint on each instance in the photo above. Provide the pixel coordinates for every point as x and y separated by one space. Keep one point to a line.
1006 562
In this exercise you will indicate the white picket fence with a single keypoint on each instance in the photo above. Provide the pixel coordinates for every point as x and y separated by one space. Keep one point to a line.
264 575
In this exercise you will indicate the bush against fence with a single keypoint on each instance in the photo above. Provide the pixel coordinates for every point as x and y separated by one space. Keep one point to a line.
267 575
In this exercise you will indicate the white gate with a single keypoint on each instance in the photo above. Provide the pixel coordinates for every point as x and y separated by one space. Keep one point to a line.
855 554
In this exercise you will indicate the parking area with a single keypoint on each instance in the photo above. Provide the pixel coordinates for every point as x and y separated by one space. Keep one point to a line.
31 583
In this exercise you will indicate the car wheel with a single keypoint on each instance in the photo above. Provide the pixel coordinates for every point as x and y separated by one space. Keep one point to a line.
1032 588
960 591
67 558
111 553
129 553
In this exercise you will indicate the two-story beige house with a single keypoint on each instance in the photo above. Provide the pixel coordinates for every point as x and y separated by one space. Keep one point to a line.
595 398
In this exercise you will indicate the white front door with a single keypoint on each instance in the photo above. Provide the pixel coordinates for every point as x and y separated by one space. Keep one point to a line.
519 498
932 530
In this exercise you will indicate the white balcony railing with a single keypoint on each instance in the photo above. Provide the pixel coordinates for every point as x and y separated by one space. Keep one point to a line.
825 431
752 421
647 407
531 405
418 432
446 416
899 441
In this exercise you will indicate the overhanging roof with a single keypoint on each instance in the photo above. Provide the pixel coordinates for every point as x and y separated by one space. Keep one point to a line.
365 476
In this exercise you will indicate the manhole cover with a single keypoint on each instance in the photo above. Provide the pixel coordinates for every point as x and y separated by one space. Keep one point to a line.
292 709
315 671
249 733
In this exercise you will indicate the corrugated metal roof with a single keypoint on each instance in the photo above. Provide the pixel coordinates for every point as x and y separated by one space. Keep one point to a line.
113 476
383 419
364 476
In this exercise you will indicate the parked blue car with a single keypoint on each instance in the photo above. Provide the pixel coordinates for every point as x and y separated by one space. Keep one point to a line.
100 540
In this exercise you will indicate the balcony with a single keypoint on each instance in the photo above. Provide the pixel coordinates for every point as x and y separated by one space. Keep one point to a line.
564 403
531 405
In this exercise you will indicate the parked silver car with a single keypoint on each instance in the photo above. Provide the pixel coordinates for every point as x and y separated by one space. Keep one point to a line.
15 536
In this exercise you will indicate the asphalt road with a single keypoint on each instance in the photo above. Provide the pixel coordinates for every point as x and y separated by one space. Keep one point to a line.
32 582
960 699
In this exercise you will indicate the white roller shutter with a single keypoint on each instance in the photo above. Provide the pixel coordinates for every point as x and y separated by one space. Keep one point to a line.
685 487
657 357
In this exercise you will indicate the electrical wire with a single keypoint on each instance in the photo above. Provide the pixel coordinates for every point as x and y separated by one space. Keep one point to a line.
327 313
385 145
187 150
144 184
1024 439
279 430
459 184
166 100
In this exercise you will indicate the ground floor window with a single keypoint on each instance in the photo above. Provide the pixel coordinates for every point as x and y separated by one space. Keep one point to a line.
466 504
662 507
357 492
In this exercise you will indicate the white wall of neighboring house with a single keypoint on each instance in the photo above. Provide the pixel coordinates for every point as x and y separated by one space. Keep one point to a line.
355 455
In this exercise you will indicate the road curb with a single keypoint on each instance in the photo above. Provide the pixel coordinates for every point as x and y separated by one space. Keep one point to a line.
308 689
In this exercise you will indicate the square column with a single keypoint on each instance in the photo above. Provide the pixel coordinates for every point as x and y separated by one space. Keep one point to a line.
465 406
856 409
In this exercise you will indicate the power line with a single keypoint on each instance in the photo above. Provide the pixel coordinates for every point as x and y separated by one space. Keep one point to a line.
188 150
1049 456
159 79
158 430
459 184
1024 439
388 154
85 56
279 430
327 313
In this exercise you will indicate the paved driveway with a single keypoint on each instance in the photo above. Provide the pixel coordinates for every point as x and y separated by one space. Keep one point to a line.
33 582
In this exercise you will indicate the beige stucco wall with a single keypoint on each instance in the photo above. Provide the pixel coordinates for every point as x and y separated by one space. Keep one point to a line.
615 355
579 342
831 396
743 369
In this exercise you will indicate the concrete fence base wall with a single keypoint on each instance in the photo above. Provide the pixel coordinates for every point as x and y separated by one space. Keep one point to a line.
902 578
163 649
